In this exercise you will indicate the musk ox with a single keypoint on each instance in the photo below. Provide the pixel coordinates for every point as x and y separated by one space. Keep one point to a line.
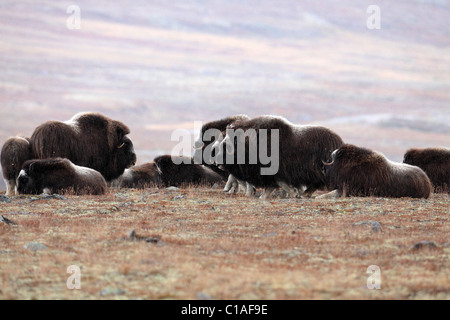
355 171
89 140
140 177
204 153
183 171
296 154
59 175
436 164
15 152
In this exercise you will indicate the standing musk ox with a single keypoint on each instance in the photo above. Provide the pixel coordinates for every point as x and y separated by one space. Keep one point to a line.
15 152
59 175
436 164
355 171
301 150
89 140
204 153
184 172
140 177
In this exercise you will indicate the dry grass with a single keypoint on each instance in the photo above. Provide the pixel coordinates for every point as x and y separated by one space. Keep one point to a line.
224 247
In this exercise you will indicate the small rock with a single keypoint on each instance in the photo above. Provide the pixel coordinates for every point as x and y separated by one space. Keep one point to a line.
177 197
108 291
7 221
48 197
134 237
376 226
203 296
173 189
5 199
35 246
424 244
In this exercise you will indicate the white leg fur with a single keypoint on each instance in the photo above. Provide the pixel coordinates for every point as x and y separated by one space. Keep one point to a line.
10 188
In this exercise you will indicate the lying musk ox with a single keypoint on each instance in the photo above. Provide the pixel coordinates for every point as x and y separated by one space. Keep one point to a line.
355 171
59 175
436 164
15 152
89 140
184 173
140 177
301 150
204 153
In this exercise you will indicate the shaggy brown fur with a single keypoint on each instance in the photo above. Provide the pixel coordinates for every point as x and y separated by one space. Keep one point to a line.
356 171
59 175
172 174
15 152
140 177
301 152
89 140
436 164
201 144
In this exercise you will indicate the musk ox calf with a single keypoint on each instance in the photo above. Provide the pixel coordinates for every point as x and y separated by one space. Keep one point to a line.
178 171
355 171
436 164
140 177
59 175
204 153
89 140
296 154
15 152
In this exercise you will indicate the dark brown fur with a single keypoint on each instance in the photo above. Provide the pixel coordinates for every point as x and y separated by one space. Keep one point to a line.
59 176
362 172
89 140
201 144
140 177
436 164
15 152
301 151
186 173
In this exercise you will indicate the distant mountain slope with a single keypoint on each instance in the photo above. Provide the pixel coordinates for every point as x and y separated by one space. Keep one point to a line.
172 63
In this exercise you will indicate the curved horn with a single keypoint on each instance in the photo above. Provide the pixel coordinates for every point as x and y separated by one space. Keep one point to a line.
121 146
327 163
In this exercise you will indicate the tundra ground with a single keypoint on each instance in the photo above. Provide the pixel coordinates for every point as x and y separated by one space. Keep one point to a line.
204 244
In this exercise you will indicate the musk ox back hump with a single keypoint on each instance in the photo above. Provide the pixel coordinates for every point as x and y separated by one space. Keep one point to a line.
356 171
89 140
436 164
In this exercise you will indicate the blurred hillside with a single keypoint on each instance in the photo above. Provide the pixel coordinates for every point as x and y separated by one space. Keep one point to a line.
161 65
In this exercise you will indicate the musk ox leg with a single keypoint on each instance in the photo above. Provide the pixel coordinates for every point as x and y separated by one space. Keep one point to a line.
229 184
242 186
330 195
309 192
291 191
250 190
10 188
267 193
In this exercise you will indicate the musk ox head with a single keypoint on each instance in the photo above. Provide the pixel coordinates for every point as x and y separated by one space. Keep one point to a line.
15 152
88 139
211 132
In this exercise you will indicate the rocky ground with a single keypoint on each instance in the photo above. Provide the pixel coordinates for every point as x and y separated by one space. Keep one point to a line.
203 244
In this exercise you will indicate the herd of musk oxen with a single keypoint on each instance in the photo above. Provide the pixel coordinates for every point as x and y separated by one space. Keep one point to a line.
91 152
